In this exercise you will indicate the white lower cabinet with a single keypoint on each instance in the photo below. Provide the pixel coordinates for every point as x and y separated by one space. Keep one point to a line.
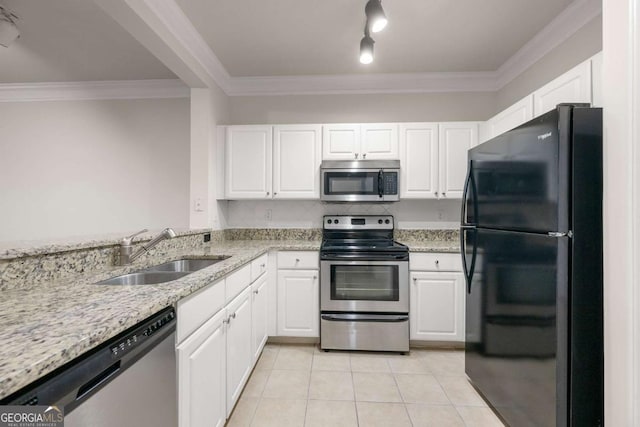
239 348
437 298
259 315
298 303
201 380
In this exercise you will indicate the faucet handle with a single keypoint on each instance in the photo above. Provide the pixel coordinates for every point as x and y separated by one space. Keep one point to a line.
127 240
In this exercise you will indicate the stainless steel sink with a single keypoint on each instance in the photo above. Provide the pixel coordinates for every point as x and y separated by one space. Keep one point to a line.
186 264
162 273
144 278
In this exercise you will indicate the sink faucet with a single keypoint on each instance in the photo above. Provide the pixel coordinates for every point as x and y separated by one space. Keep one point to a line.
126 256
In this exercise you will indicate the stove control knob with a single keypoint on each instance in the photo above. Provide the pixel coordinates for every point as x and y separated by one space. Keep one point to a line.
379 221
386 221
329 221
336 221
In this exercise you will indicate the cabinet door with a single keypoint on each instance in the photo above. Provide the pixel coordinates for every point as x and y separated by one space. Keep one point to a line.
239 353
201 375
455 139
298 303
259 315
572 86
248 151
419 160
296 162
437 306
379 141
340 141
517 114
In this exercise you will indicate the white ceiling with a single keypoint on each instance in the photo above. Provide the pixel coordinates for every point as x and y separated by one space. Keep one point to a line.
297 37
73 40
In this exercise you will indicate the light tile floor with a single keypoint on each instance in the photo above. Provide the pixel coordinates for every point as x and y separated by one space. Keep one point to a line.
300 385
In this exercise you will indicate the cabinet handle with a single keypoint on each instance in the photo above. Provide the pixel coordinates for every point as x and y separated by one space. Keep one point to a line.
436 193
364 156
267 193
437 262
297 259
415 280
256 291
444 194
225 321
315 277
233 316
275 193
356 154
262 265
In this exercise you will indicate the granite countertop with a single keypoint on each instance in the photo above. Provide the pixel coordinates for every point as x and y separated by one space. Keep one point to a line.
46 326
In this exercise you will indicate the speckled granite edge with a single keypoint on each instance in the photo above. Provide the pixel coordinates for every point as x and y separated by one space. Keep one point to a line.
418 235
11 250
42 269
273 234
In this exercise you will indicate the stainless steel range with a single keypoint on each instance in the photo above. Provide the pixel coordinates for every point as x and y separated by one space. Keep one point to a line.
364 285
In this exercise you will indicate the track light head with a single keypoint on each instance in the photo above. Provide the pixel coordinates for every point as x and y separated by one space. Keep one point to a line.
376 18
366 49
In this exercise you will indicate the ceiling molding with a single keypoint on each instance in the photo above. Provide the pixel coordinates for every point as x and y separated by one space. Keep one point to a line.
363 84
567 23
82 91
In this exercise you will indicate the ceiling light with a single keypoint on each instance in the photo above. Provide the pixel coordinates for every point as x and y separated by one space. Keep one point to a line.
375 15
366 49
8 30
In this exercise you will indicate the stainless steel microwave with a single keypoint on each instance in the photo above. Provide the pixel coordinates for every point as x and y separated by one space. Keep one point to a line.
360 181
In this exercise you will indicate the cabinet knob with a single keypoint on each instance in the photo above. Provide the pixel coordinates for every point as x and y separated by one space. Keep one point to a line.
225 321
267 193
437 262
364 156
256 291
233 316
356 154
315 277
275 193
262 265
444 194
297 259
436 193
415 279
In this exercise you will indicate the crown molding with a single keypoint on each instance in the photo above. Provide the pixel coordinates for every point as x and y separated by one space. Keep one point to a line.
568 22
363 84
94 90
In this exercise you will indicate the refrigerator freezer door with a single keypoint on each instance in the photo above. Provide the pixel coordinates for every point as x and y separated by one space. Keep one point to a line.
520 179
516 324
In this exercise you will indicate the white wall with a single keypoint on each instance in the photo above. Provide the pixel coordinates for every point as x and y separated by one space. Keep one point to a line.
420 107
582 45
77 168
308 214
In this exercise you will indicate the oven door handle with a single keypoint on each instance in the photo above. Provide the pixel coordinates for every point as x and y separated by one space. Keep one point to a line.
365 258
365 317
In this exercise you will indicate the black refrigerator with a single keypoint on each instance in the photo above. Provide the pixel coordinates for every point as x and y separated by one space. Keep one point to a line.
531 243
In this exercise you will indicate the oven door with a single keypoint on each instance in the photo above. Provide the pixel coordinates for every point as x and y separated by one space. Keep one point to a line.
364 286
359 185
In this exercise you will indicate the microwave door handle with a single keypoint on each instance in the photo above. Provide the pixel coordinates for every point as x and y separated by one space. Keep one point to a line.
380 181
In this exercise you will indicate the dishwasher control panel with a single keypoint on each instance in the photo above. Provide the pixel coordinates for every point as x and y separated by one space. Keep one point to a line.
131 340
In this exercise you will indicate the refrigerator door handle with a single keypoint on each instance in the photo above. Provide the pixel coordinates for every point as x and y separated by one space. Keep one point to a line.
467 271
465 191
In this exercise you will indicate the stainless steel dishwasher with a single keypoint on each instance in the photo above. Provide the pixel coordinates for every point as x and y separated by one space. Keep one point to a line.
128 381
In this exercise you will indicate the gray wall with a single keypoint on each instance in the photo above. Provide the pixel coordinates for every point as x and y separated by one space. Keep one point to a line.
585 43
362 108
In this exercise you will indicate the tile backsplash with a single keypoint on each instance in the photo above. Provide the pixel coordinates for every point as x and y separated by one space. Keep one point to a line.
408 214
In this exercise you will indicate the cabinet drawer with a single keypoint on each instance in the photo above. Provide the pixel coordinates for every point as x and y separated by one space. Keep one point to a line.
298 259
237 281
258 266
196 309
435 262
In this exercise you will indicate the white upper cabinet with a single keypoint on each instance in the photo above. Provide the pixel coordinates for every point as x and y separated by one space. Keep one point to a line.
379 141
296 161
572 86
519 113
454 140
248 151
371 141
419 160
340 141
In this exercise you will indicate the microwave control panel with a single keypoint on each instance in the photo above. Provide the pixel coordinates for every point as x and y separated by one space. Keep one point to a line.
390 183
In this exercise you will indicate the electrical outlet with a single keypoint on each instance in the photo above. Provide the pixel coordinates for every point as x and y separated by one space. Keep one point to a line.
207 237
268 214
198 206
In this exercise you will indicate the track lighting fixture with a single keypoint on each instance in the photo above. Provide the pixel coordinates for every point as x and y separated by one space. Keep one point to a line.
366 47
376 18
8 29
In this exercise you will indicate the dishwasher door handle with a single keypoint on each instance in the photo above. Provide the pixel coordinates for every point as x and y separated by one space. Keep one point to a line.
94 382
